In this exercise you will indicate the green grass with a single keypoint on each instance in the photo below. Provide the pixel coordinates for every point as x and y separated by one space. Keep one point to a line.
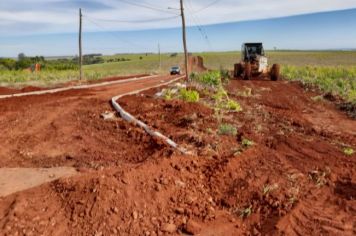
212 78
189 95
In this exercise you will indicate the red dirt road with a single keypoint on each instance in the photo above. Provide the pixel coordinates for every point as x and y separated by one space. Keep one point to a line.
36 128
294 180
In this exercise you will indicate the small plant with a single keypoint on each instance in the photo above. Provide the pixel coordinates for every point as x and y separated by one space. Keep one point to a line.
209 131
233 106
320 177
189 95
220 95
269 188
245 93
317 98
236 151
227 129
168 94
193 76
244 213
247 143
292 200
222 101
349 151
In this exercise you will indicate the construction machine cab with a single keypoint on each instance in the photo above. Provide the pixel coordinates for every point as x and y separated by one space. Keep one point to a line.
255 63
250 51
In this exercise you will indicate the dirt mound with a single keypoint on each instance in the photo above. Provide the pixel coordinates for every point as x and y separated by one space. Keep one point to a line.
196 64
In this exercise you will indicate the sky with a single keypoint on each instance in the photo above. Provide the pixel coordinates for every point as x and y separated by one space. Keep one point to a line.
49 27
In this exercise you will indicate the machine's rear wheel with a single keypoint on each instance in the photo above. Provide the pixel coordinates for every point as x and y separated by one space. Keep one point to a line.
275 72
247 71
237 70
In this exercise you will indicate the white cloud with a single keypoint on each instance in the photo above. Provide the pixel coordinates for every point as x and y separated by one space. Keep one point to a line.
53 16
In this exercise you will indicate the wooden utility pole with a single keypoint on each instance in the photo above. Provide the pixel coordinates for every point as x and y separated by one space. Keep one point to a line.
80 45
184 41
160 58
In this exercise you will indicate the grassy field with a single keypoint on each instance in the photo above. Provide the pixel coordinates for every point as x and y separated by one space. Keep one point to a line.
226 60
303 65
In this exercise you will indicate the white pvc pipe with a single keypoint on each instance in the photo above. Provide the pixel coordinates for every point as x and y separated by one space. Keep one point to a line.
128 117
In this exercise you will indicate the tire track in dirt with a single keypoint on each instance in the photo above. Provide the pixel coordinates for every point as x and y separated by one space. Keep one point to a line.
327 216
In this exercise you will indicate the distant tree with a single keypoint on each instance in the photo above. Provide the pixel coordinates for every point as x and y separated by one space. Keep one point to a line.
174 54
2 67
7 63
21 56
23 63
91 59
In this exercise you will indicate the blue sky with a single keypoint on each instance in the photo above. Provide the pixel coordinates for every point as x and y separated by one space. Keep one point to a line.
50 30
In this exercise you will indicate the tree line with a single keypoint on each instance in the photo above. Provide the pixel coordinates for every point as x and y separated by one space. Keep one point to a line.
25 62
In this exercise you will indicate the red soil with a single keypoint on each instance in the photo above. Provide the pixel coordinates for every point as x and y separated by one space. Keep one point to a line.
6 90
295 179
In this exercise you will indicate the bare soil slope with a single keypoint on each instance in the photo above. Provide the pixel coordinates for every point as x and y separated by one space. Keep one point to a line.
294 180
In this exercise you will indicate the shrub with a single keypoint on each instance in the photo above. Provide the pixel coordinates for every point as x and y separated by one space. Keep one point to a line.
168 94
233 106
212 78
189 95
247 143
349 151
227 129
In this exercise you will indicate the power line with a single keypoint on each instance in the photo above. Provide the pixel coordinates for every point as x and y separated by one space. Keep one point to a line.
114 35
200 28
135 21
206 7
148 6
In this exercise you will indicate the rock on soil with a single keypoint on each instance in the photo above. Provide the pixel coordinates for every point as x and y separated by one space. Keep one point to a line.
192 227
169 228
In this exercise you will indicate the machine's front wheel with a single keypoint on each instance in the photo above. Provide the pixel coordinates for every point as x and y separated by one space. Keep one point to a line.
275 72
238 70
247 71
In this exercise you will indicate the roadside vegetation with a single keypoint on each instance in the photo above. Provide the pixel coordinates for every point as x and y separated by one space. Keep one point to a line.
338 81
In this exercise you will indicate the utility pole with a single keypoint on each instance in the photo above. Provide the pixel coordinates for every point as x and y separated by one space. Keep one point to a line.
184 41
160 58
80 45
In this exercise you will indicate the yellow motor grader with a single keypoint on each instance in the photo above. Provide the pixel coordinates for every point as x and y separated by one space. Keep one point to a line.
255 63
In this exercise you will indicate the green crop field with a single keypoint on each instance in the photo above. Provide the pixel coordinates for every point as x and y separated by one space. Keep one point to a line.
331 71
